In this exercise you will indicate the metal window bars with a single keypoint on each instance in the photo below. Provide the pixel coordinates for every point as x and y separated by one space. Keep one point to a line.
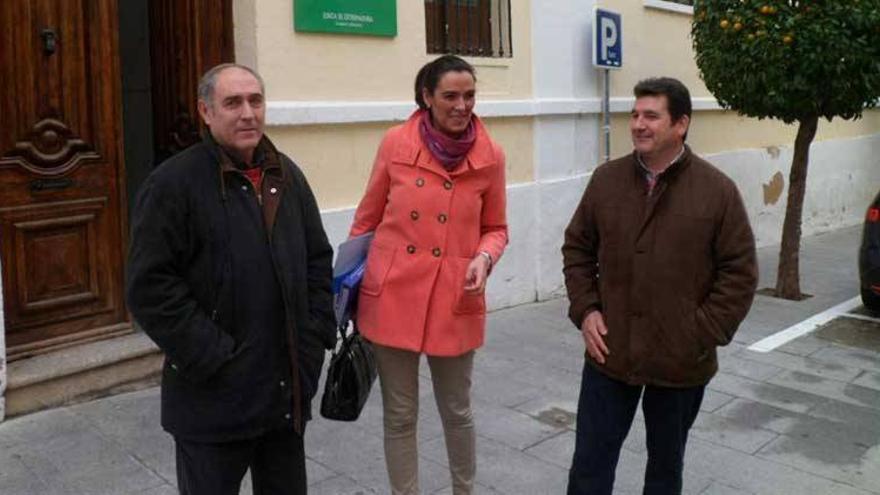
479 28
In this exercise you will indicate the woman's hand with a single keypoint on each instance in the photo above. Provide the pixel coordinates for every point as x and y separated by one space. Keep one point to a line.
477 272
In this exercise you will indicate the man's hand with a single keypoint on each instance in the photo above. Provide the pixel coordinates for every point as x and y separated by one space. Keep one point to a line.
593 328
475 277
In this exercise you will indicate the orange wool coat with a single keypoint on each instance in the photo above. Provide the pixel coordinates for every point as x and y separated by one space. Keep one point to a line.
429 224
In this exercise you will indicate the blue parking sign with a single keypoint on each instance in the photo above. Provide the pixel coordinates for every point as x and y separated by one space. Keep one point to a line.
607 40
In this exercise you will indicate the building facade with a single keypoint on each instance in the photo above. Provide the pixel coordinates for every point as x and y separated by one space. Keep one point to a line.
330 98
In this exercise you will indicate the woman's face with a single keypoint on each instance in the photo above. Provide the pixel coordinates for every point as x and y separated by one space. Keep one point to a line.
452 102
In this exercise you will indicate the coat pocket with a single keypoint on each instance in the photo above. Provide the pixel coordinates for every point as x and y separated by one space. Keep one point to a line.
379 262
466 304
692 329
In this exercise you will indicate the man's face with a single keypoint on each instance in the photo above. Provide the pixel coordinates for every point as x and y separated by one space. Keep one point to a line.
236 113
653 131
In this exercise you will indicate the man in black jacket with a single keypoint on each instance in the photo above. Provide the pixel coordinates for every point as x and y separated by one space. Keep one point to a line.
229 273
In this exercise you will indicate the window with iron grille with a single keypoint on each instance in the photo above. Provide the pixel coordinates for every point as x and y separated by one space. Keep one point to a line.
477 28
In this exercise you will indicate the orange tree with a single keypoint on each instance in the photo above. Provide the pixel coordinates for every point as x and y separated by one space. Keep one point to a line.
796 61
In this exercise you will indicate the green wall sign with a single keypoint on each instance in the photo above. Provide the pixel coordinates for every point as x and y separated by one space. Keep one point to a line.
373 17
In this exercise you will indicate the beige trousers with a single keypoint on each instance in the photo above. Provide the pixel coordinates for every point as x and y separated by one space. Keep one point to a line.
399 379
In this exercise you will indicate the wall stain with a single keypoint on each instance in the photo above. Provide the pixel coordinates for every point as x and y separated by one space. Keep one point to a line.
773 189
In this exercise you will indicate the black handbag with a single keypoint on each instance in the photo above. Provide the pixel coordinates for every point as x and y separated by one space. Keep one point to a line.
349 378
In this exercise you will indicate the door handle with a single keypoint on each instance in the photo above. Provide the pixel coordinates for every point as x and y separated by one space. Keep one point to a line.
50 41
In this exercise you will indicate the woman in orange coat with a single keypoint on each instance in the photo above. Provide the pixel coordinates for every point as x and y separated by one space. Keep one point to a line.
436 201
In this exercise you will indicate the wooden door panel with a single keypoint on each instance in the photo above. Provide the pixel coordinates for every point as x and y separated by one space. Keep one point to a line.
62 217
57 264
187 37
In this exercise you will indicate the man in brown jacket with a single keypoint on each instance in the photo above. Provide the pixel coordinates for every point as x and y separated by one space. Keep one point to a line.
659 263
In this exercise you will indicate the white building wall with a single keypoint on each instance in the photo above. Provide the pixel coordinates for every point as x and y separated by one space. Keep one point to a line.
565 145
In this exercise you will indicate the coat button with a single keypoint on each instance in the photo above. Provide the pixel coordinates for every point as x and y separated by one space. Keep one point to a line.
442 218
414 215
244 188
436 252
447 184
273 190
410 249
420 182
287 416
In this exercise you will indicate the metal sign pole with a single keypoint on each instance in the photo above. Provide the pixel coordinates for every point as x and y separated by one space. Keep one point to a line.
606 110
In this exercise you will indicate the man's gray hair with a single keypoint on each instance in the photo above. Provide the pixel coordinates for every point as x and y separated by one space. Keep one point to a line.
209 80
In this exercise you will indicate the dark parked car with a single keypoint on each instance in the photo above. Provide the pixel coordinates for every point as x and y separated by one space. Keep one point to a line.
869 258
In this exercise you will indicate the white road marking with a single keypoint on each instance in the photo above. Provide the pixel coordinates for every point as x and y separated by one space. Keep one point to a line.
767 344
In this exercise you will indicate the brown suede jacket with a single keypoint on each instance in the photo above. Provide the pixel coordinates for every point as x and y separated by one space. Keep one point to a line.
673 273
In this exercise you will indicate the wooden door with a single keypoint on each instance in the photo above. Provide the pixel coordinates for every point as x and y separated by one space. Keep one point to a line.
187 37
62 218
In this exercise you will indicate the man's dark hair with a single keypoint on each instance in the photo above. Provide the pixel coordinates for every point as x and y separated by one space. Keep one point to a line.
429 75
209 81
678 97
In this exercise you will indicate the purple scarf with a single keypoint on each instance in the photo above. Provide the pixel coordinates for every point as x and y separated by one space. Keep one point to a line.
448 151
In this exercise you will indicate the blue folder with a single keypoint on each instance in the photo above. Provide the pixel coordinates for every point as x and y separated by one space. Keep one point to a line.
351 263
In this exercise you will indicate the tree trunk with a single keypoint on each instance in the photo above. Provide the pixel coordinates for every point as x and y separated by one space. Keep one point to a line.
788 276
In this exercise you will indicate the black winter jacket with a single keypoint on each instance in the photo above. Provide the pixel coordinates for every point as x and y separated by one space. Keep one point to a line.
226 377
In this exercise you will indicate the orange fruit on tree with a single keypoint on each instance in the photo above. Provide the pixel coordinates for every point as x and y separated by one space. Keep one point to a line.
724 23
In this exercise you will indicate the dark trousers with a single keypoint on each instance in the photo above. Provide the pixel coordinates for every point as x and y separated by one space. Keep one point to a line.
605 412
276 460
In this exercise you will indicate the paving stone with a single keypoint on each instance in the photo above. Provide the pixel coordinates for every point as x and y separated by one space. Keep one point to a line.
857 358
784 397
868 379
340 485
713 399
478 488
807 345
832 389
331 446
504 392
840 461
716 488
833 369
746 368
730 433
557 450
760 415
432 476
88 463
852 332
159 490
758 475
15 477
317 472
37 428
863 418
636 440
510 427
508 470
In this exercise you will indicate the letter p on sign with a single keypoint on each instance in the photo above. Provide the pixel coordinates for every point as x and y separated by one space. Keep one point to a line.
607 40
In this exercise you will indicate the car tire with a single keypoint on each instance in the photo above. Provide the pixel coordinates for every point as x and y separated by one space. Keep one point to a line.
871 301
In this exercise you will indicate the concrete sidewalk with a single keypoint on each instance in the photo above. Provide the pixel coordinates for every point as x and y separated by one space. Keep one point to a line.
803 419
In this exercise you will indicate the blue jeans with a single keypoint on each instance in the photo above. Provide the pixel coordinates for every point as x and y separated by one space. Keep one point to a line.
605 412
